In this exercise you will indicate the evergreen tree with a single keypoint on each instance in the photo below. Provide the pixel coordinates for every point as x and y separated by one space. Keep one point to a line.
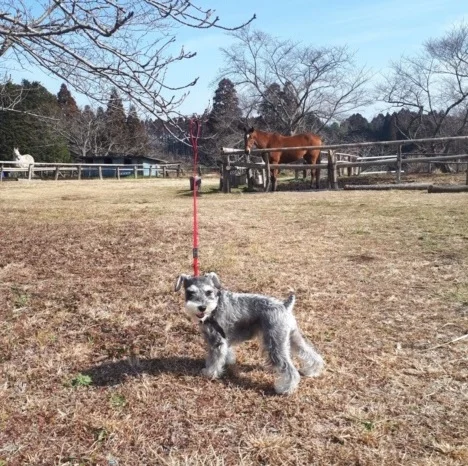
67 103
137 137
224 122
225 116
115 120
32 131
278 108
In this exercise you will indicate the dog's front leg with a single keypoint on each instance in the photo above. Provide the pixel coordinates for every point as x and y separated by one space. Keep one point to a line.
231 356
216 359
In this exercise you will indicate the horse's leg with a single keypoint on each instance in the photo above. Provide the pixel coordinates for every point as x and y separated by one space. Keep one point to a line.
274 177
309 160
315 171
274 159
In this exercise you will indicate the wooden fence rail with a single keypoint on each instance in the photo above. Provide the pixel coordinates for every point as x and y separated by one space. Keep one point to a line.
91 170
333 165
400 142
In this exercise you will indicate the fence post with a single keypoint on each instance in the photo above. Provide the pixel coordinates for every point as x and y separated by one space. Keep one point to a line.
100 172
228 175
178 170
467 172
118 173
1 172
80 169
56 173
30 171
266 158
223 174
135 174
226 178
399 160
332 170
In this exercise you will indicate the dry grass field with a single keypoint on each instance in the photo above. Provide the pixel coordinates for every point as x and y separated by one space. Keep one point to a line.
100 366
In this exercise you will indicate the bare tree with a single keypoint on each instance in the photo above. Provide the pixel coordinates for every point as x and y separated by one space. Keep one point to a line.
321 84
84 133
96 45
432 87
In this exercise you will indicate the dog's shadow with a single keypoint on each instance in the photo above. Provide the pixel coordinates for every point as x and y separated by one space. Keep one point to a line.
115 373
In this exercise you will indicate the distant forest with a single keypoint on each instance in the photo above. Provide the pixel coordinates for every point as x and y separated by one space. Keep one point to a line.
53 128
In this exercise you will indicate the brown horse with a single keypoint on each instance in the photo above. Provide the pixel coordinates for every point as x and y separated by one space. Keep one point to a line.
265 140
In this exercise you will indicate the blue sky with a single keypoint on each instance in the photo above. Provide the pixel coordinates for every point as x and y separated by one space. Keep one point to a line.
378 30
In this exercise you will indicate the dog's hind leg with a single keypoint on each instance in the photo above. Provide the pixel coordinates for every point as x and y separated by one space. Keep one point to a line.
278 351
312 362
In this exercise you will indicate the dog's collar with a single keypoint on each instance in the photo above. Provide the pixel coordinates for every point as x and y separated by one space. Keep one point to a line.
213 322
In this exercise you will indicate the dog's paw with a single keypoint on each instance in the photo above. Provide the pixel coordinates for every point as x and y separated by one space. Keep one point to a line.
310 372
209 374
313 369
231 359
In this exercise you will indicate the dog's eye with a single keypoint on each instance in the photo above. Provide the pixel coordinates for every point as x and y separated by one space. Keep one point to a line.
209 293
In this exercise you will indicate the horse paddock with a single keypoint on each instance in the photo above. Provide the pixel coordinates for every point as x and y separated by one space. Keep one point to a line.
100 366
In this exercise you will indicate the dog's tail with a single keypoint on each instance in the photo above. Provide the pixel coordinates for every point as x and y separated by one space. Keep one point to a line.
289 303
312 362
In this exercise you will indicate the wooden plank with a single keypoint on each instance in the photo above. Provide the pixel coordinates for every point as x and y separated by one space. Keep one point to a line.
354 144
282 166
386 187
448 189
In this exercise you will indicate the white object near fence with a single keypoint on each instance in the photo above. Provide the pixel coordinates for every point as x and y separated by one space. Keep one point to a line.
23 160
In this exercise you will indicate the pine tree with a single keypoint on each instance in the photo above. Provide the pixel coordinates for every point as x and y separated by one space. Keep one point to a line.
67 103
224 122
278 108
226 114
32 131
137 137
115 119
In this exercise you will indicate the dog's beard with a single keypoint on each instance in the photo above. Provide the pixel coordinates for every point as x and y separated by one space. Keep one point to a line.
192 308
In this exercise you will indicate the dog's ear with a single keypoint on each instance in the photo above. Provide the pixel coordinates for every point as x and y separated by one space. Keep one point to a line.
180 280
214 278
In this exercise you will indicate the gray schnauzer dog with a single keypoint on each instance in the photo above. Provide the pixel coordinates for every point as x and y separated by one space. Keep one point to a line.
227 318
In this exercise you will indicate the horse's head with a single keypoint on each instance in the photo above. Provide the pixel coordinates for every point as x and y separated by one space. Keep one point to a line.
16 152
250 139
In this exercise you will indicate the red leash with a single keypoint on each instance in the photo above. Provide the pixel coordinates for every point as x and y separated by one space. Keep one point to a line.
195 129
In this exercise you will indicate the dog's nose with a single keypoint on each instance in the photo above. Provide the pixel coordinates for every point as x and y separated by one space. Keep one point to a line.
202 308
